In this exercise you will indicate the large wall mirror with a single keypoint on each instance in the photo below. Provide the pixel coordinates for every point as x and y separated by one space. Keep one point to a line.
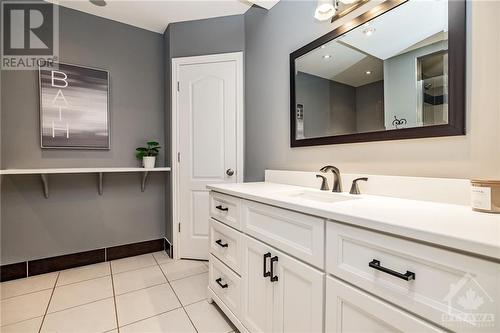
396 72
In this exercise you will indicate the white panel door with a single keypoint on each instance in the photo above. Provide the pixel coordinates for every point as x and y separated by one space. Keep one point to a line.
257 290
298 296
207 141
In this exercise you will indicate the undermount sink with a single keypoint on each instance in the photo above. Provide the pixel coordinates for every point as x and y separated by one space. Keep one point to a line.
328 197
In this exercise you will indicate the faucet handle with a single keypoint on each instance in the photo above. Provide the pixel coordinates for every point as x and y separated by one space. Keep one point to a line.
354 187
324 183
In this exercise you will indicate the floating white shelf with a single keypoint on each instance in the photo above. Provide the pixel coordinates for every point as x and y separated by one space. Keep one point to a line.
99 171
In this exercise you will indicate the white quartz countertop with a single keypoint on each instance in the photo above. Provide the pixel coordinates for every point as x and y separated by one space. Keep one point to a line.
453 226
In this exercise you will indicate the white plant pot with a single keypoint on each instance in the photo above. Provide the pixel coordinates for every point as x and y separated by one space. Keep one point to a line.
148 162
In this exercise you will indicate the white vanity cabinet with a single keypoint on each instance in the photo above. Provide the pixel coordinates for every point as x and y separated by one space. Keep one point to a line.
270 262
279 270
279 293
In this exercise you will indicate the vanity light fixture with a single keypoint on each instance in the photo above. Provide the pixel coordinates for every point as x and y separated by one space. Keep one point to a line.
99 3
344 7
325 9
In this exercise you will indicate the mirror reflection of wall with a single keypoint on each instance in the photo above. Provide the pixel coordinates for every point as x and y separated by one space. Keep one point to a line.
389 73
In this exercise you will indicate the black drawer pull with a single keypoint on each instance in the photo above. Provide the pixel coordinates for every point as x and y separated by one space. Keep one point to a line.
407 276
266 274
224 209
219 242
220 283
273 277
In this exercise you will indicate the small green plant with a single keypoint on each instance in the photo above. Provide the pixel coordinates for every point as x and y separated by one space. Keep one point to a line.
152 149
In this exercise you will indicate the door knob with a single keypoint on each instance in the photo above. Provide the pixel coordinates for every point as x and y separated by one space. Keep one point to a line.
229 172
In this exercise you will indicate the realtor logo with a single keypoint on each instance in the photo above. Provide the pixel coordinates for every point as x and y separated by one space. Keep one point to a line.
30 32
468 302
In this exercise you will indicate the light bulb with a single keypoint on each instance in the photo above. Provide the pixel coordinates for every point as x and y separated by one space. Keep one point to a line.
324 10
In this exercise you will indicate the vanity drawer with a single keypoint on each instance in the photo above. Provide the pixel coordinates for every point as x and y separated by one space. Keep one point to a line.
225 208
444 282
349 309
225 244
225 283
297 234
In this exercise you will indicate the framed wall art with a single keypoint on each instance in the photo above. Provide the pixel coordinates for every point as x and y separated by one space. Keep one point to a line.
74 107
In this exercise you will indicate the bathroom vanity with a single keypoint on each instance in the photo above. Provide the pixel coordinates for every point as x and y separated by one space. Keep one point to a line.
286 258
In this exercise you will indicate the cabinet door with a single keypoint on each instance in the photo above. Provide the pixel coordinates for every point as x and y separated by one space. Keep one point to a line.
298 296
257 290
350 310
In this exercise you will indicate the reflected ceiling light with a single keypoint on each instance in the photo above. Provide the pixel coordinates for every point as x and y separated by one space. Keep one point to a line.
100 3
369 31
327 56
348 2
325 9
368 72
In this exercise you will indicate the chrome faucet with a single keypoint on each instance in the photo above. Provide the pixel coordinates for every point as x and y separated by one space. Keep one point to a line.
337 181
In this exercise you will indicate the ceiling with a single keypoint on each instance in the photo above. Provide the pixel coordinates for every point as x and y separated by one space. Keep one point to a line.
400 28
346 65
412 25
156 15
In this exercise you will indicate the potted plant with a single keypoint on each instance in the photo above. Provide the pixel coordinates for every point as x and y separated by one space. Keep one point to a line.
148 154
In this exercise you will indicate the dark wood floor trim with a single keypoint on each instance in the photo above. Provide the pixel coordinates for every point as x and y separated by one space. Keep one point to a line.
52 264
13 271
134 249
47 265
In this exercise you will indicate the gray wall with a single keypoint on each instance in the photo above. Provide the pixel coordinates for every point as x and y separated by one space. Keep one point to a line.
370 107
75 218
270 36
209 36
334 108
313 92
193 38
343 108
400 84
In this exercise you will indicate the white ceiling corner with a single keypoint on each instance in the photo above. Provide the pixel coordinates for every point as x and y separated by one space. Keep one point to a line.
156 15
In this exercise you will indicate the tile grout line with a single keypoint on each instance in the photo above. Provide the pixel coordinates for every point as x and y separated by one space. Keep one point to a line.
62 285
114 297
79 305
156 315
28 293
178 299
188 276
48 304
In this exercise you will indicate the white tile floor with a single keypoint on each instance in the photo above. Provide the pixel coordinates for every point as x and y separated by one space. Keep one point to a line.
147 293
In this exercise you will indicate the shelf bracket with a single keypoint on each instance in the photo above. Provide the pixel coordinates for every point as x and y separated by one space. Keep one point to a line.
144 178
45 183
99 183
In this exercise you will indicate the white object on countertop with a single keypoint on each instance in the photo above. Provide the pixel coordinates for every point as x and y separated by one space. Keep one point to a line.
452 226
444 190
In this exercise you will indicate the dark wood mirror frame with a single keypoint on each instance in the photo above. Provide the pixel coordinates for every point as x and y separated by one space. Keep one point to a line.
456 82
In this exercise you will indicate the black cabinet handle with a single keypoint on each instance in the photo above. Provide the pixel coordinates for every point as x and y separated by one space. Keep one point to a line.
224 209
273 277
219 242
376 265
264 273
218 281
